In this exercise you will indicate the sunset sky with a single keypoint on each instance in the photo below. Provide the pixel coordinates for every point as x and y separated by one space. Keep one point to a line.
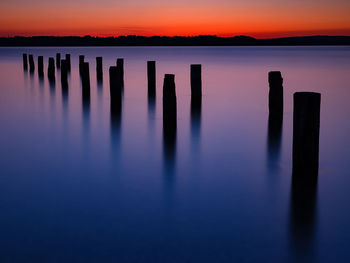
257 18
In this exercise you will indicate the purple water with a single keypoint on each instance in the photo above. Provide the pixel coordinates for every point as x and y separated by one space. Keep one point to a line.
79 185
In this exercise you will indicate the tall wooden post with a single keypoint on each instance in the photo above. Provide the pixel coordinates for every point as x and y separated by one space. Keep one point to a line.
31 63
115 87
306 130
99 72
169 118
120 68
151 77
64 74
81 61
41 66
68 62
196 80
85 79
25 61
58 60
169 99
276 94
51 69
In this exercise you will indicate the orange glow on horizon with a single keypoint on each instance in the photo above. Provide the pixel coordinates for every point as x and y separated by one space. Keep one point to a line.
263 19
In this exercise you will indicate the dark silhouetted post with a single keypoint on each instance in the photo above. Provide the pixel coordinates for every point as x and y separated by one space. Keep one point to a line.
85 80
276 94
68 62
306 130
169 120
115 87
51 69
151 77
25 61
196 80
31 63
120 67
169 99
41 66
196 97
81 61
64 74
99 72
58 60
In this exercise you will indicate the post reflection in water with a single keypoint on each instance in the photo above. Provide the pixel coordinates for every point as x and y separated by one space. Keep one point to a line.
303 212
65 92
52 90
151 108
41 81
52 86
274 138
86 114
169 150
196 116
99 85
116 118
25 76
31 82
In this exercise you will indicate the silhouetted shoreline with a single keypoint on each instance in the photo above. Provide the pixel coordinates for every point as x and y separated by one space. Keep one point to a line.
173 41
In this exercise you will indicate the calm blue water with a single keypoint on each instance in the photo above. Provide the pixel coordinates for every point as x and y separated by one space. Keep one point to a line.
78 184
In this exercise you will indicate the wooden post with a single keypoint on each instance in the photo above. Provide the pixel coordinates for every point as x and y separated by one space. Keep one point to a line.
169 99
41 66
99 72
276 94
51 69
151 77
25 61
85 79
114 84
196 80
81 61
58 60
120 68
64 74
196 96
68 62
31 63
306 130
169 119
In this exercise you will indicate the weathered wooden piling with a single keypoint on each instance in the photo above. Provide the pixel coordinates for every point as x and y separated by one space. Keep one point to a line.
25 61
114 85
306 130
31 63
99 72
41 66
276 94
120 68
196 80
151 77
68 62
64 74
169 119
196 99
81 61
85 80
196 93
169 99
51 69
58 60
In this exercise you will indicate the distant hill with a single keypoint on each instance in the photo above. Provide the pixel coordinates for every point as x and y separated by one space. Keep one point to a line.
172 41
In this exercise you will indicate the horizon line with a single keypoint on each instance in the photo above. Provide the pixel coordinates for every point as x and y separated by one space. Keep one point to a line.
173 36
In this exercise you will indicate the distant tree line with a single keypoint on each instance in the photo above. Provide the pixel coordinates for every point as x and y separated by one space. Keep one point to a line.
133 40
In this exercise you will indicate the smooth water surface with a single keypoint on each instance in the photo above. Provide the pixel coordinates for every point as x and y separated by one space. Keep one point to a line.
79 184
